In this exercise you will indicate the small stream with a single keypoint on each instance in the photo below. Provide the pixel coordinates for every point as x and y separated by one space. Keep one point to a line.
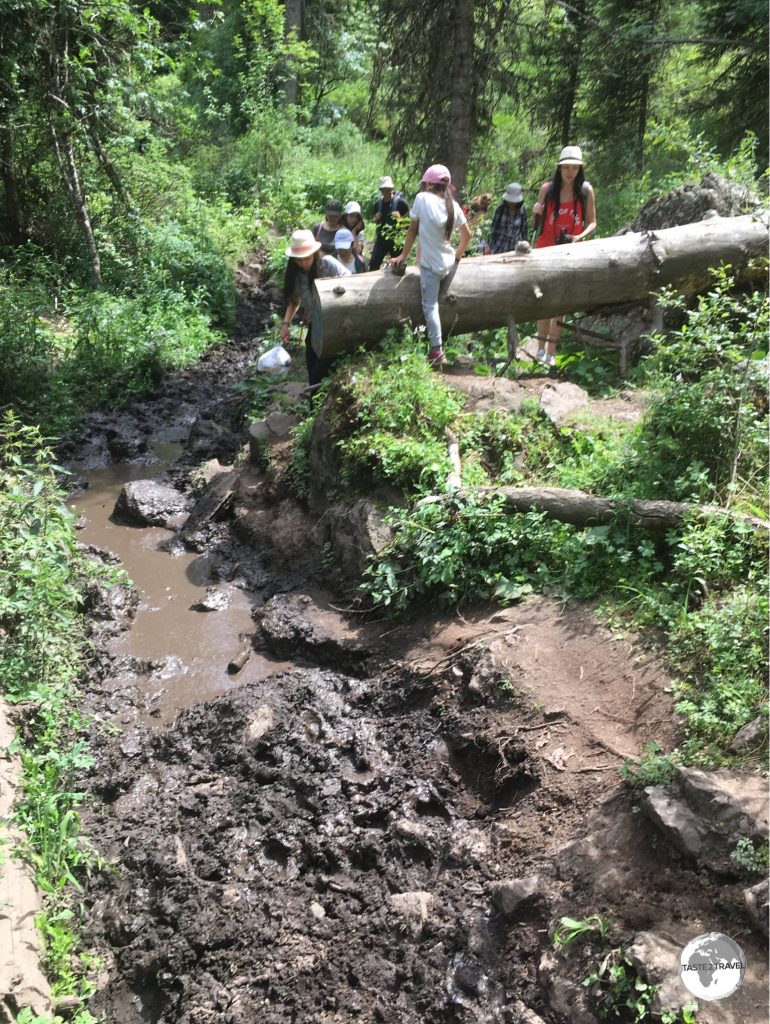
188 649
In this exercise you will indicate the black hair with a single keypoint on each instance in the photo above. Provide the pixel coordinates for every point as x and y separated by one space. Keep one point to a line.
441 189
553 195
360 225
293 270
334 206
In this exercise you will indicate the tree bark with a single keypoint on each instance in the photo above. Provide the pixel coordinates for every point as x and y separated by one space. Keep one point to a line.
582 509
15 217
488 291
292 26
66 156
460 78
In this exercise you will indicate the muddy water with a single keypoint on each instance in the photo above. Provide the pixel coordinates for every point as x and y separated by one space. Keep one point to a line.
189 649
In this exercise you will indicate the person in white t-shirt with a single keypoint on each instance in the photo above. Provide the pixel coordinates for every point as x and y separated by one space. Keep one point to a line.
434 216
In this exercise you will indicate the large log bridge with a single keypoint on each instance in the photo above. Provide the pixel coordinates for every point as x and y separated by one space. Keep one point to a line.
494 291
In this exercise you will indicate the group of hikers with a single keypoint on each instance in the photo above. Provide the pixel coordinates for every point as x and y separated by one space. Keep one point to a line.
564 212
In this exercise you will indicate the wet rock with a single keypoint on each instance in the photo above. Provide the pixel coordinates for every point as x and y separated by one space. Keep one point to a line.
750 735
513 893
112 604
757 900
215 501
148 503
655 955
287 631
209 439
131 746
216 599
357 533
414 908
560 399
123 449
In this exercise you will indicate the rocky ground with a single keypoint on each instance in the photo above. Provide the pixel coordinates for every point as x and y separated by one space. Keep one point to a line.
389 828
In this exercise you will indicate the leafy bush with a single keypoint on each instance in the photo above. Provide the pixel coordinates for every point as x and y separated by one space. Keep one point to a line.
390 413
41 641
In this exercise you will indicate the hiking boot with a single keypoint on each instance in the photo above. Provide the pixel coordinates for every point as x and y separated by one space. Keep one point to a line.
436 358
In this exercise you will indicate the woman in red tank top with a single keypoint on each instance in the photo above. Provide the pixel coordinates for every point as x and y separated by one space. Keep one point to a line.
566 208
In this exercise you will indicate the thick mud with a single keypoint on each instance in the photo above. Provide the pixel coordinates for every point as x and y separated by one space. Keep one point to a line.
377 822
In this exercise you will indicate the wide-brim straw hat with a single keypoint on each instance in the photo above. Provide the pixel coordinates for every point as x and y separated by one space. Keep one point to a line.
302 244
513 194
571 155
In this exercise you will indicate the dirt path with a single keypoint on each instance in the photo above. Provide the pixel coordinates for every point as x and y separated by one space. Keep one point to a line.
388 830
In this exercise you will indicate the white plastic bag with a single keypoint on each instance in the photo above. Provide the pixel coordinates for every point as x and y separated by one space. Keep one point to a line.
276 360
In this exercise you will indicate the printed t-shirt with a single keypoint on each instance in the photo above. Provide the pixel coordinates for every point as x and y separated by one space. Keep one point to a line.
436 253
569 217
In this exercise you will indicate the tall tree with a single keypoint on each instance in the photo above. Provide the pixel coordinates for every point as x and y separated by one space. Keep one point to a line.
445 76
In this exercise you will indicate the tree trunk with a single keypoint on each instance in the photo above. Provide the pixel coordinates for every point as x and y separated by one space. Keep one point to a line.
459 75
15 217
66 156
576 19
488 291
292 27
109 167
581 509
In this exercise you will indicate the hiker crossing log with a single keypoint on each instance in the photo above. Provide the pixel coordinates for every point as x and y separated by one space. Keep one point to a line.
490 291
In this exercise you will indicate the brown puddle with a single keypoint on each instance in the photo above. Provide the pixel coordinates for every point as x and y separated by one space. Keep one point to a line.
195 646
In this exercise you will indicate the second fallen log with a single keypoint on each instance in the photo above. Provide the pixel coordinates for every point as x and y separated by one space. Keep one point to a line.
491 291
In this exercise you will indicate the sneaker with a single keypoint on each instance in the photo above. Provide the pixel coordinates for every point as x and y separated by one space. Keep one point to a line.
540 355
549 359
436 357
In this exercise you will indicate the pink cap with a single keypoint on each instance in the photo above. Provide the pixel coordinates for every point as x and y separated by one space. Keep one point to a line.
437 174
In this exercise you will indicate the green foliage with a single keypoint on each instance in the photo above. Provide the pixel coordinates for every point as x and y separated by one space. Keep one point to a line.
95 348
40 656
392 410
619 991
569 929
653 768
752 857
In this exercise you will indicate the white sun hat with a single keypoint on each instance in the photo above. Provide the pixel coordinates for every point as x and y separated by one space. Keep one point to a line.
571 155
513 194
386 182
352 207
302 244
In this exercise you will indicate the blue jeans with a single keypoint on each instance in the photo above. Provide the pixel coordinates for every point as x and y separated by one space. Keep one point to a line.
430 282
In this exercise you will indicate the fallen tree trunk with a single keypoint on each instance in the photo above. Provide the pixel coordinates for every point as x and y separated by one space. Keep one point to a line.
582 509
491 291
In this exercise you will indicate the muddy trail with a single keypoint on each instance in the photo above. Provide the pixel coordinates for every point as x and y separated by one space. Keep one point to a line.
370 821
